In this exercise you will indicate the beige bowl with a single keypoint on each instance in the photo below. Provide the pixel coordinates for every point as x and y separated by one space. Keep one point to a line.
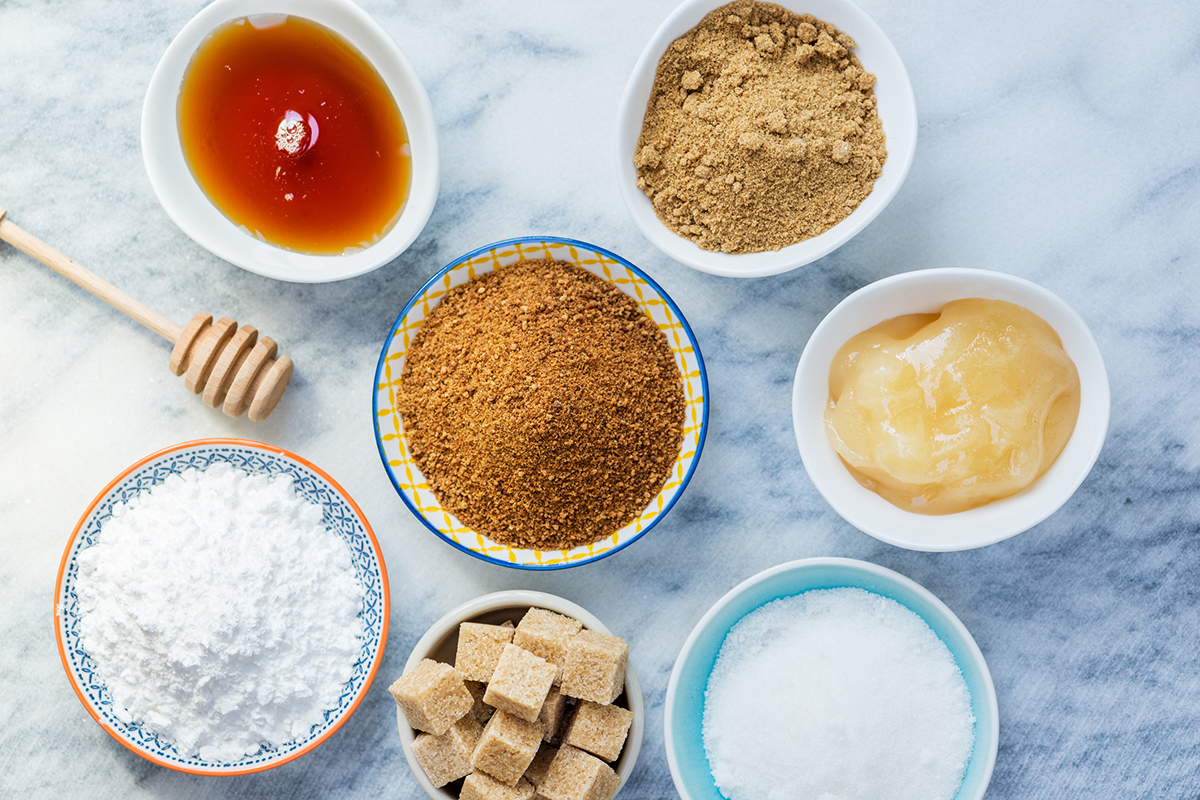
440 643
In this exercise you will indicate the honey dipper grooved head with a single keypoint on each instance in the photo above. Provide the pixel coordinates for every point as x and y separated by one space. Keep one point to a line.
236 371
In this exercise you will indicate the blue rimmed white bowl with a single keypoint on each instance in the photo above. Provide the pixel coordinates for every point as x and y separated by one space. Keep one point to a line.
340 514
684 706
407 478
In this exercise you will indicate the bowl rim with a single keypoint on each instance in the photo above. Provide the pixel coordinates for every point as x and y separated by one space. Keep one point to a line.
433 281
873 574
900 115
188 206
221 442
512 598
929 290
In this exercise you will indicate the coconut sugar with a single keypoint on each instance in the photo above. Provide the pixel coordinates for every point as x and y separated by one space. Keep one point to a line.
836 693
544 408
761 130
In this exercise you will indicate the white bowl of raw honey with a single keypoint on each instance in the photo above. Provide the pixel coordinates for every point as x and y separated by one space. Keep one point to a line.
948 409
291 138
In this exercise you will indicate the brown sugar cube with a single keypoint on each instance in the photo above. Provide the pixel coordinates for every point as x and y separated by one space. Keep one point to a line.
481 786
595 667
576 775
545 634
447 757
541 762
520 683
554 710
481 710
600 730
432 696
479 648
506 747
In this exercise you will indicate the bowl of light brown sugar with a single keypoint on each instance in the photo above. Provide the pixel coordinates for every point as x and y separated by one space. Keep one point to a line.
540 403
518 690
754 138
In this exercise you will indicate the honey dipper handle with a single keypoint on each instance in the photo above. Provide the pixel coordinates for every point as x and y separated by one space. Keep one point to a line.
101 288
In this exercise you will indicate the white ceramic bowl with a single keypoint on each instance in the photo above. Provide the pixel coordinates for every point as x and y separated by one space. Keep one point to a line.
186 204
684 705
897 111
407 478
340 514
923 292
441 641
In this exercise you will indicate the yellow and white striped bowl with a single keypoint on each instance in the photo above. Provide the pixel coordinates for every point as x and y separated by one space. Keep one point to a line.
389 427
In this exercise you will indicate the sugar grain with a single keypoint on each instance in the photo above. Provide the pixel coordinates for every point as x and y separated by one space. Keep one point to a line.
836 693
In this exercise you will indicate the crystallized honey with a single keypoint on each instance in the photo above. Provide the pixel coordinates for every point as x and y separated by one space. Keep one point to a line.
293 135
939 413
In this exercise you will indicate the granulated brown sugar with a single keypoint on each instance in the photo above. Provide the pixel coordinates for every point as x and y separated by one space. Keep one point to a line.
544 408
761 130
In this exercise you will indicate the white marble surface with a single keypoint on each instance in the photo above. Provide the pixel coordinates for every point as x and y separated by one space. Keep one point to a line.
1058 142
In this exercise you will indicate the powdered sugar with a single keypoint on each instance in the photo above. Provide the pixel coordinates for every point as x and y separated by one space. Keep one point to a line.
220 612
836 694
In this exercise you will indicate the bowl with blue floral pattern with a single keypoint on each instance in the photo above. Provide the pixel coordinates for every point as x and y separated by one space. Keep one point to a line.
339 515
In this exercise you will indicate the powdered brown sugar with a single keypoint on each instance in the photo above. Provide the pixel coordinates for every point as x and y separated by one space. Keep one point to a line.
761 130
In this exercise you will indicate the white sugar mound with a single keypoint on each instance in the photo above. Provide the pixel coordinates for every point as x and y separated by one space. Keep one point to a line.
220 612
836 694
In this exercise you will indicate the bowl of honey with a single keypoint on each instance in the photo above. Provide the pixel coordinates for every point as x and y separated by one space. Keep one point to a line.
948 409
291 138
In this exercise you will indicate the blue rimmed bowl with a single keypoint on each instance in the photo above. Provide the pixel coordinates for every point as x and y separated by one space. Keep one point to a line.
339 513
684 706
407 478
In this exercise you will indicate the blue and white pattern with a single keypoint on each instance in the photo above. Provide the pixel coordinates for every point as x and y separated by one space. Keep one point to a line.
338 515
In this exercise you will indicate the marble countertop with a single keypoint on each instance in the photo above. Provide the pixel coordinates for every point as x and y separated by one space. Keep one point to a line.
1058 142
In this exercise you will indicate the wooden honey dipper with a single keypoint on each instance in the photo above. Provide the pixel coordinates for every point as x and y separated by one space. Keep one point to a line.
231 367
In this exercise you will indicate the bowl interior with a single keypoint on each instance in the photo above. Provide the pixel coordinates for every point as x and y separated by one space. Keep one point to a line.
440 643
340 514
897 110
187 205
389 427
689 679
928 291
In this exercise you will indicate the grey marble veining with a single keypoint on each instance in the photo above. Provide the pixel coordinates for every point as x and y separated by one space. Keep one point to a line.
1058 142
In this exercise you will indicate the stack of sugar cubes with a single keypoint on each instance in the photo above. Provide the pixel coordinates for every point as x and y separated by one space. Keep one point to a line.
545 690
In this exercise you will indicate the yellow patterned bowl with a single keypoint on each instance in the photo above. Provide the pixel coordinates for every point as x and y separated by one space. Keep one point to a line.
389 427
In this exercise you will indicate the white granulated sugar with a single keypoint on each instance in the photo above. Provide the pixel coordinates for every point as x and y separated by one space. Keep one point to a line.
220 612
836 694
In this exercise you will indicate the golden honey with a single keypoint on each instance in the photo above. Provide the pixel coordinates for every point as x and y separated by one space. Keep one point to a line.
293 135
939 413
